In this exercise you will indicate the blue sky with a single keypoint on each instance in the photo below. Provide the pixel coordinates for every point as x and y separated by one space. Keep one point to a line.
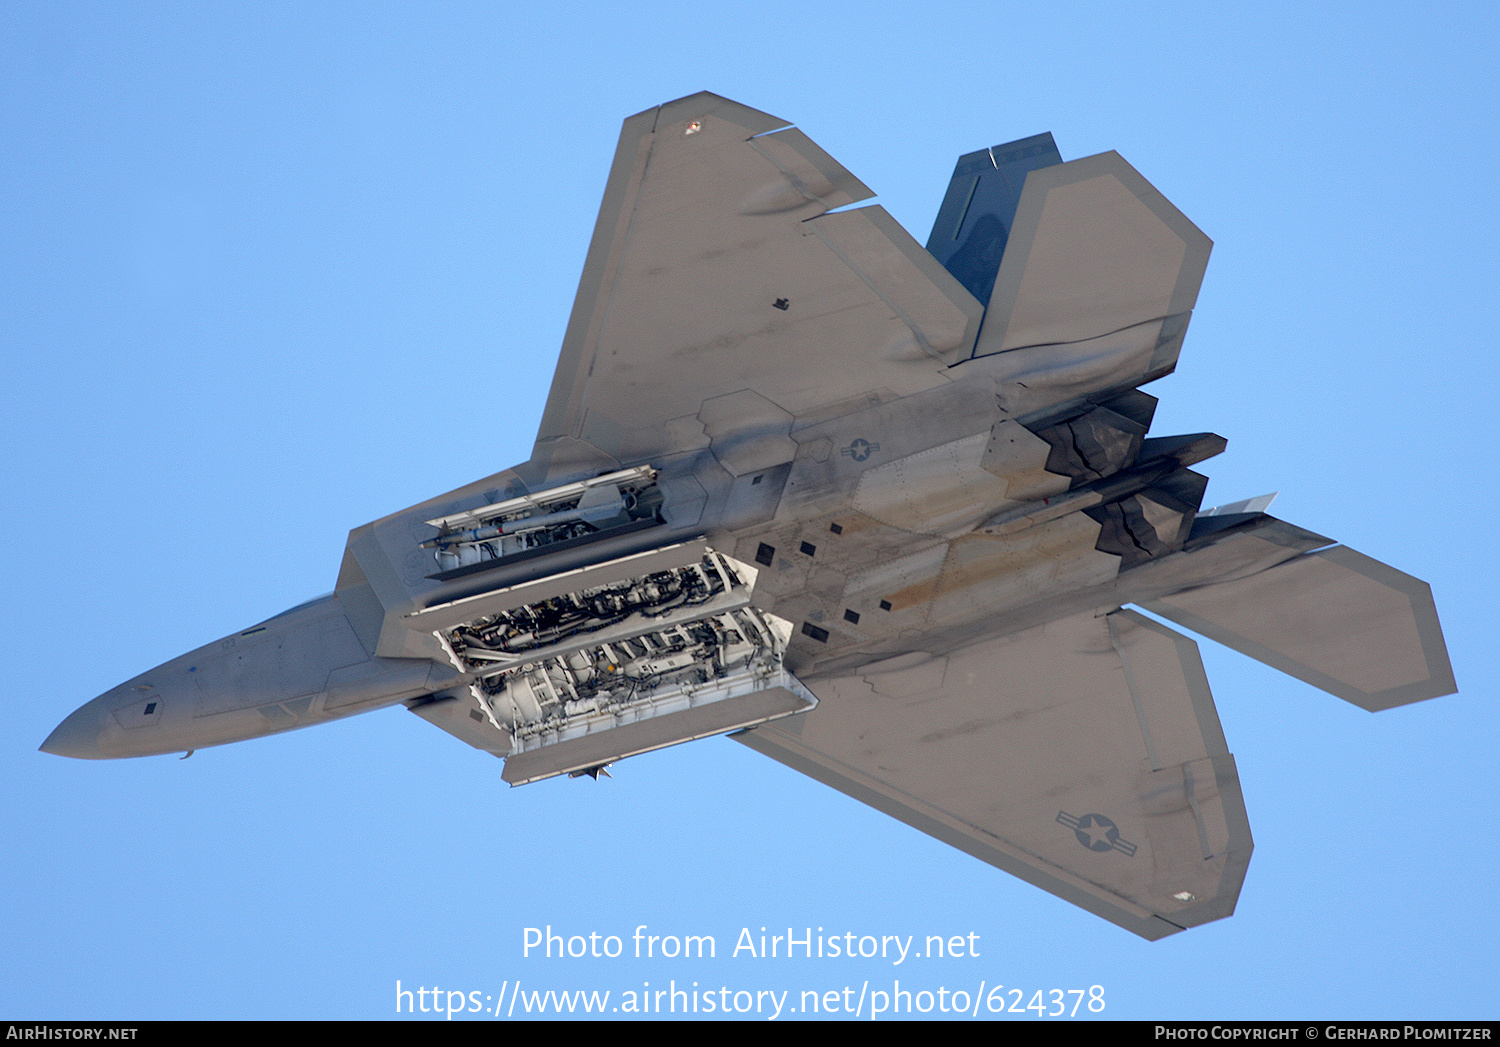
270 271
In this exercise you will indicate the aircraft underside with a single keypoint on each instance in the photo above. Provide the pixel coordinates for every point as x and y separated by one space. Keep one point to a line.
876 509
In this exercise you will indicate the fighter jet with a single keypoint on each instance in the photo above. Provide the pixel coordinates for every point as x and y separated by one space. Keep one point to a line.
873 509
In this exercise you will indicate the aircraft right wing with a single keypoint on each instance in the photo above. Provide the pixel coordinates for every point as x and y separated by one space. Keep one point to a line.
1084 756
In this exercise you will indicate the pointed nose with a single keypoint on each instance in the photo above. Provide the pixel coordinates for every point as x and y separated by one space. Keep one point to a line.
78 736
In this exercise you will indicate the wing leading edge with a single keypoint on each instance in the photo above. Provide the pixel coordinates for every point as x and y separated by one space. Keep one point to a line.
1084 756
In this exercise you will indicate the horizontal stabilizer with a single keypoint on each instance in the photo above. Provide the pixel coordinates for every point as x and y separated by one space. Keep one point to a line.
1095 249
1334 618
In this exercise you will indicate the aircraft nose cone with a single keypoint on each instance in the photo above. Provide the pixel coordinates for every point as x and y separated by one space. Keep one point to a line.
78 735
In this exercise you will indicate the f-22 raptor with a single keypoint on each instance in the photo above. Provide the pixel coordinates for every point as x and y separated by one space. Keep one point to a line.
874 508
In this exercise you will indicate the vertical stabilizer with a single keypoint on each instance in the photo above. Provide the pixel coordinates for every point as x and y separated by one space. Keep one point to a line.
974 222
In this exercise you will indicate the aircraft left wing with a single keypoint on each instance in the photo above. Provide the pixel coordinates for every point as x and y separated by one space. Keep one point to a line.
719 298
1084 756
